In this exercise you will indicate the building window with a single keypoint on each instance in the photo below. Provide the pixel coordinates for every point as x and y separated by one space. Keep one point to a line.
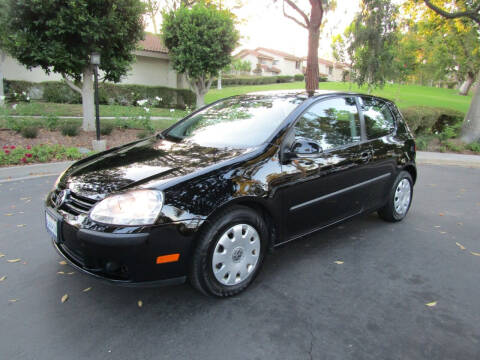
297 64
262 61
330 70
275 62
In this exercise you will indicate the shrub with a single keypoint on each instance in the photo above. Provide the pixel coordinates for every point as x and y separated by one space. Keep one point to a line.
475 147
69 129
106 128
298 77
29 131
59 92
427 120
453 147
12 155
322 79
51 122
143 134
13 124
450 132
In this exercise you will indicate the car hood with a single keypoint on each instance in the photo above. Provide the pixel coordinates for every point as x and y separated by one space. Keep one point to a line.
138 163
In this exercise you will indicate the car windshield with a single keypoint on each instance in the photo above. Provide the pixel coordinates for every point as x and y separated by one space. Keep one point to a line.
239 122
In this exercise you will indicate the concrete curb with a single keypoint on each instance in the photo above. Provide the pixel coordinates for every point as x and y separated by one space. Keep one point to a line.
14 173
434 158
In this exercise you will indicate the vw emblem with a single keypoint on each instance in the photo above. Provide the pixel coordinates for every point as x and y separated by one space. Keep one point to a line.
61 198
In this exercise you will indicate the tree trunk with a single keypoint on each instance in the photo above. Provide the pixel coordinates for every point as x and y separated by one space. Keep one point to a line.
200 99
467 84
471 123
219 80
2 93
88 104
311 75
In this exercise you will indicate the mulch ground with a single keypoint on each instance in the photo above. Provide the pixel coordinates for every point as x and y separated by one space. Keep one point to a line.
83 139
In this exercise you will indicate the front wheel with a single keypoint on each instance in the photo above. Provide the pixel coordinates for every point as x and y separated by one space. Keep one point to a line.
229 252
399 200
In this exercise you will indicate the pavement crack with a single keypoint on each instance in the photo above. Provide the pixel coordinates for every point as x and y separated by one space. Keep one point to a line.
310 351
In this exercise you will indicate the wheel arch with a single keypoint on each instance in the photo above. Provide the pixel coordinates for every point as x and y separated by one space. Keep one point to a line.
258 206
412 170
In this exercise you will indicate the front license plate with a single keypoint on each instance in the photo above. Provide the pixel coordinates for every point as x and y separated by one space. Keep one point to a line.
51 224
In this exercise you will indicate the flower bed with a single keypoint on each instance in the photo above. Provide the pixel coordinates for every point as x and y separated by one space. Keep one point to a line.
18 155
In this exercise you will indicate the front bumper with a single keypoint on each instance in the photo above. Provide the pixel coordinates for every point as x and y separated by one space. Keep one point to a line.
127 256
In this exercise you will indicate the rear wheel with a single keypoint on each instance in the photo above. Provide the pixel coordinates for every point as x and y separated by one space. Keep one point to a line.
229 252
399 200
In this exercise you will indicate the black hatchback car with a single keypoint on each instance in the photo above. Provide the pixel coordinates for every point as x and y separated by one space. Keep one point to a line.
206 198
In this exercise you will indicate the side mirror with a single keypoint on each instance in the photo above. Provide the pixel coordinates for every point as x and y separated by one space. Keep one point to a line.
301 148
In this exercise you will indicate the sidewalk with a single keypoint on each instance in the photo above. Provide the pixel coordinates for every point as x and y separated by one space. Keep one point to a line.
37 170
436 158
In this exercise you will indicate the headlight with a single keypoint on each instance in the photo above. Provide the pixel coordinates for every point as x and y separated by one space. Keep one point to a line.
140 207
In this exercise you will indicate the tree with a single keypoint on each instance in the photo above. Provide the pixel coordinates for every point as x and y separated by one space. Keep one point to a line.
373 44
3 34
154 7
312 21
469 9
200 41
60 35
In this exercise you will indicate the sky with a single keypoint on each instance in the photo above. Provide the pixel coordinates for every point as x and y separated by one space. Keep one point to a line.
264 25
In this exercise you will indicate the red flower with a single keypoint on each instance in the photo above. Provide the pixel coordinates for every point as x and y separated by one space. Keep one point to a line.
28 155
28 147
5 147
24 160
7 152
12 147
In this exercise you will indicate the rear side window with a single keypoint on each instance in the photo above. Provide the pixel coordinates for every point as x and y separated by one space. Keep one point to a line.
379 120
331 123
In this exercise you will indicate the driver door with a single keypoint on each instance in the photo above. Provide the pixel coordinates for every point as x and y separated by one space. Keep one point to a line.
324 166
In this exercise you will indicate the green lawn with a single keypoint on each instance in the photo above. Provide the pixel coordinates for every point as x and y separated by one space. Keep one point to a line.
35 108
403 95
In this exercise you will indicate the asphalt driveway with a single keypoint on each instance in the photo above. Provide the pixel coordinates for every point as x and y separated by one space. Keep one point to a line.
356 291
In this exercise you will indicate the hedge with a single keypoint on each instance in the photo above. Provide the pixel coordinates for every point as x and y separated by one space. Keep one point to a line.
113 94
427 120
254 80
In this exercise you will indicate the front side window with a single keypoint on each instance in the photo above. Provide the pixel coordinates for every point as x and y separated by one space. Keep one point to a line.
379 120
239 122
331 123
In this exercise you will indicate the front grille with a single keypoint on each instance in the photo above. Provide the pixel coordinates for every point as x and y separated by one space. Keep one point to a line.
73 203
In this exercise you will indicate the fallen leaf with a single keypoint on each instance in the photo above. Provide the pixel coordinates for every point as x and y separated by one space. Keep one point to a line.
13 300
443 232
87 289
338 262
13 260
21 212
460 246
64 298
21 225
60 272
140 303
63 262
474 253
460 224
437 226
25 198
2 255
71 273
441 214
3 278
431 304
8 214
433 184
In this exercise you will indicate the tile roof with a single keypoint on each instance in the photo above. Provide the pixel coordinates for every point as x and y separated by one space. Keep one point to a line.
279 53
153 43
254 53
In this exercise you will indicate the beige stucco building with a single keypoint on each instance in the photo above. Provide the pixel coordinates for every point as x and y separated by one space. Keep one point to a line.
269 62
152 67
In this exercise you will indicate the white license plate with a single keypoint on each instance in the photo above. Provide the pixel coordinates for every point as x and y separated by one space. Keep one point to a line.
51 224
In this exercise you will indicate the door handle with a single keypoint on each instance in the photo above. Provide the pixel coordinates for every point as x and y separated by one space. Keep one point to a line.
366 156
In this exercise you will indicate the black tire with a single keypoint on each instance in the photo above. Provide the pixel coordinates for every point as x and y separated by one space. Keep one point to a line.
201 274
388 212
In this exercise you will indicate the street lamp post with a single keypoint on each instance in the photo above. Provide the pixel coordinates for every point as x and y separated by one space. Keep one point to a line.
95 61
